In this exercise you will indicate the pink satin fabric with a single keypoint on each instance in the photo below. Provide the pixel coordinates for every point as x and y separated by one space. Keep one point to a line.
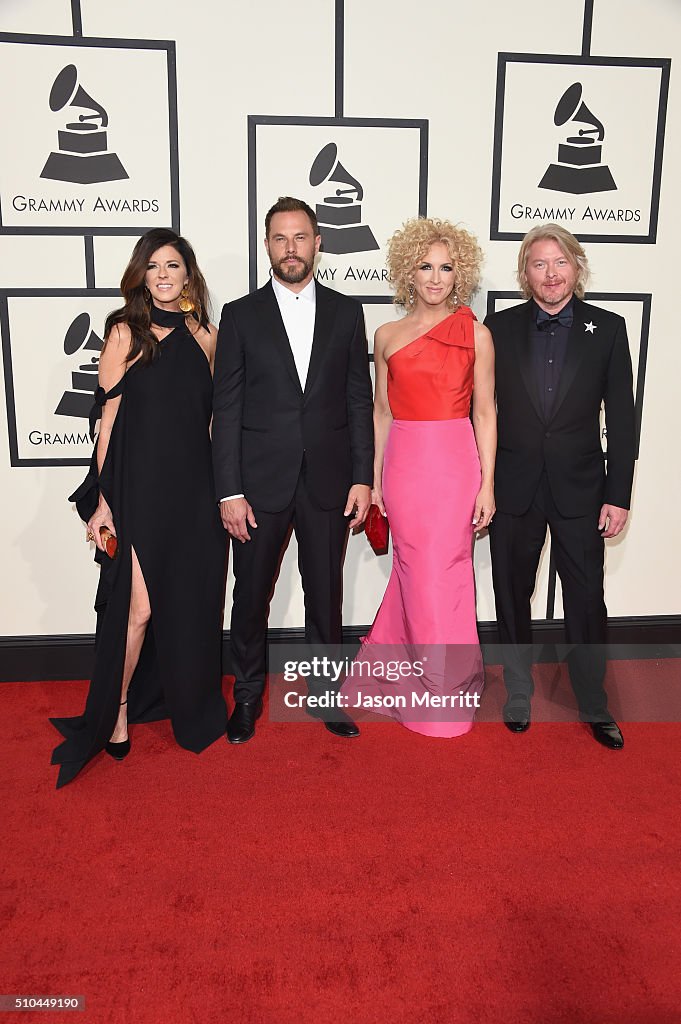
431 477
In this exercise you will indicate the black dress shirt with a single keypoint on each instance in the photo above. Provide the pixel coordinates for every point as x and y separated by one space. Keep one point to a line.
548 342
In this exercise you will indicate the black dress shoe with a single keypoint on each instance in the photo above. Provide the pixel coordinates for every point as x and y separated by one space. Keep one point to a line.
342 724
608 733
241 724
516 713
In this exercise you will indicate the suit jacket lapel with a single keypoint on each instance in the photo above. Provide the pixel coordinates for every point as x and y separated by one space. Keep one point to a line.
574 354
274 328
525 361
325 308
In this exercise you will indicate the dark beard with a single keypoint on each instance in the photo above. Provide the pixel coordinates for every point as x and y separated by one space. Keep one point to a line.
294 273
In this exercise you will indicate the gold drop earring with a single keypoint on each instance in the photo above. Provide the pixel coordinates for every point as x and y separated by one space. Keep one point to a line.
185 303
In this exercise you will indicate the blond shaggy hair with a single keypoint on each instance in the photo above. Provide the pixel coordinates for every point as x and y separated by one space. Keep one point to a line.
409 245
568 245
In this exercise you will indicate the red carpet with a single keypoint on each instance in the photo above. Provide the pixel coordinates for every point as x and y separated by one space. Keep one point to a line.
302 878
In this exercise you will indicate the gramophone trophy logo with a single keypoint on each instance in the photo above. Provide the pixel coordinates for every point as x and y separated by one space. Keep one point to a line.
340 167
340 215
80 336
74 156
590 155
579 168
49 399
83 156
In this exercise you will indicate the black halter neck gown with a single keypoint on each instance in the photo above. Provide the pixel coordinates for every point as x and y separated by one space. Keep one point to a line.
158 481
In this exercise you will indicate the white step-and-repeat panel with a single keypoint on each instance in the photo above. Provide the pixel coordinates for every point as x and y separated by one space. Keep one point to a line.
119 118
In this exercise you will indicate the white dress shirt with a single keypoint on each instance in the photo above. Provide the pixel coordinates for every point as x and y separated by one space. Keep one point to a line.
298 313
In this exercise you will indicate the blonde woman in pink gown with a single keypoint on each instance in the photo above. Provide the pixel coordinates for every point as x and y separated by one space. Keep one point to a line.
433 477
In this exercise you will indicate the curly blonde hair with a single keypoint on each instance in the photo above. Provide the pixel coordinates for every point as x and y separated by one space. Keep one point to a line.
409 245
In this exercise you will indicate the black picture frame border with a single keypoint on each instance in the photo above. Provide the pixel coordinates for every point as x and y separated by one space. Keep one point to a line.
254 121
125 44
505 58
16 461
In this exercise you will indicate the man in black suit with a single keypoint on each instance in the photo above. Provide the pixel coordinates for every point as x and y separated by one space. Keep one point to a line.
557 360
292 445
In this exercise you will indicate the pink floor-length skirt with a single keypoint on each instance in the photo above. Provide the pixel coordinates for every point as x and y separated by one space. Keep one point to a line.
431 477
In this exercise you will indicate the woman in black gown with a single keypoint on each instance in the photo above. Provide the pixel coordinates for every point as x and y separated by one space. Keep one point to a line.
159 600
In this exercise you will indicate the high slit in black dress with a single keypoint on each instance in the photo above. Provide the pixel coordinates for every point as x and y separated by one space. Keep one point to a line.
158 481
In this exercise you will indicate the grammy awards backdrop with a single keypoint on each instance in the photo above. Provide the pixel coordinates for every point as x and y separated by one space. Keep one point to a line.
118 118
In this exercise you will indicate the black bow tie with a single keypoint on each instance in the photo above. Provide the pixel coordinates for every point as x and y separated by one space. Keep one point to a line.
546 321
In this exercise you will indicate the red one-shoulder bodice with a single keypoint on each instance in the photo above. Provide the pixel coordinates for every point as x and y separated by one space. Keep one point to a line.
431 378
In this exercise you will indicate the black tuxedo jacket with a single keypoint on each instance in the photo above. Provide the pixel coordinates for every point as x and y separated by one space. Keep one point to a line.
264 422
597 370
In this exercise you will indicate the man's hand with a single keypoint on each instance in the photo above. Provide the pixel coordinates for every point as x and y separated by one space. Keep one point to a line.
359 499
236 512
614 517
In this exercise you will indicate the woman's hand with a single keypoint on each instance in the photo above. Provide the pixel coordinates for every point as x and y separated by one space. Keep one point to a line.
377 499
484 509
102 517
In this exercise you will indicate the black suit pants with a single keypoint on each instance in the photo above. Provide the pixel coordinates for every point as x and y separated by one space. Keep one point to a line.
321 535
577 546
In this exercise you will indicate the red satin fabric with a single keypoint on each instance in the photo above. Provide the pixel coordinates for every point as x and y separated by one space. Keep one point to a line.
431 378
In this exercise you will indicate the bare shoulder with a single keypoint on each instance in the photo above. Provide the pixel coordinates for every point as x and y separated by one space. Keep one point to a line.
483 337
200 332
388 332
113 361
207 338
383 337
118 341
115 351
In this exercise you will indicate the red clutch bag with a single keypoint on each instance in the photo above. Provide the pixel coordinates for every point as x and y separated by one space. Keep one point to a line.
109 541
377 530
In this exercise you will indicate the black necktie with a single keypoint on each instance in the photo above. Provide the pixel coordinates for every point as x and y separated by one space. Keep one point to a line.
547 321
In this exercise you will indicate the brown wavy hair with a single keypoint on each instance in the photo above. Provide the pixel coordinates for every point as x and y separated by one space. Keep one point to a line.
409 245
136 312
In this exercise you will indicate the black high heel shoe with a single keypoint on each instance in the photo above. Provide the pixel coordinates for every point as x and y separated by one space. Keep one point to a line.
119 750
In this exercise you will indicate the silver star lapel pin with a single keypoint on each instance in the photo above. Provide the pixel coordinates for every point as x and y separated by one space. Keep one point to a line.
590 327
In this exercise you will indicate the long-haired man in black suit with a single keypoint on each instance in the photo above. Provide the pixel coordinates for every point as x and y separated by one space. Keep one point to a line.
558 359
292 446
